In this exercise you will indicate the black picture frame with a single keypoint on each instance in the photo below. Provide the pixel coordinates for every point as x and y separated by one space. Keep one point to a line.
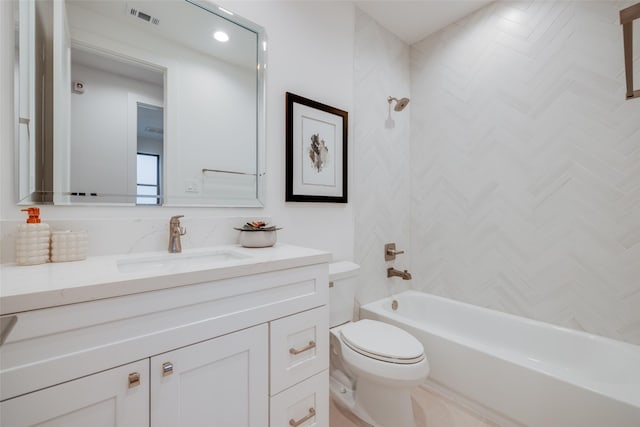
316 151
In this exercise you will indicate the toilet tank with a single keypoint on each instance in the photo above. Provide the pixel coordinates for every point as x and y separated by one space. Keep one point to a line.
343 278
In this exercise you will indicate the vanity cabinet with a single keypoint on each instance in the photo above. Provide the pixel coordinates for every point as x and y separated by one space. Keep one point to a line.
305 404
220 382
248 351
299 348
104 399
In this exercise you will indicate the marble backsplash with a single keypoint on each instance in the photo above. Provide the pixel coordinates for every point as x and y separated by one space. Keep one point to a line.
134 235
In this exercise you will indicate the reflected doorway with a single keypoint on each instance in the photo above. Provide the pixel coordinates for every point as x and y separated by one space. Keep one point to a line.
149 148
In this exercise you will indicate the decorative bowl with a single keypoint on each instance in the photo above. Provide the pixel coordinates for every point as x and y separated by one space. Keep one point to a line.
258 238
257 235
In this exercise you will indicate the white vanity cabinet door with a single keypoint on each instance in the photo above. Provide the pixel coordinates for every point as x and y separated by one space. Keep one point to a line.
303 405
106 399
299 347
219 382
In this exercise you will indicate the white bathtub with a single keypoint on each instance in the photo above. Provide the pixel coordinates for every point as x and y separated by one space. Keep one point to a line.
525 372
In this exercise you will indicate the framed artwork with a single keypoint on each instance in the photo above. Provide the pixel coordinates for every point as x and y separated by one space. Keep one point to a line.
316 152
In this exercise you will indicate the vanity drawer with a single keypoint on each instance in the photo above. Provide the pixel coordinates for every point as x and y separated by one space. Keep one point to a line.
304 405
299 347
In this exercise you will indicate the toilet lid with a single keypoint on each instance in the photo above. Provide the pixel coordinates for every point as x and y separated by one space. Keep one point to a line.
382 341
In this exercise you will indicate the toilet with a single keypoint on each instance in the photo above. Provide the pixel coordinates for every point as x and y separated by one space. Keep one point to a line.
374 365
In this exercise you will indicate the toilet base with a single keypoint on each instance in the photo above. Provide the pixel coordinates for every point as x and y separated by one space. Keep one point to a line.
343 396
374 404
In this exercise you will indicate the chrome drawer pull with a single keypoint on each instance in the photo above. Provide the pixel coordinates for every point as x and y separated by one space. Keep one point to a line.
311 414
312 344
167 369
134 379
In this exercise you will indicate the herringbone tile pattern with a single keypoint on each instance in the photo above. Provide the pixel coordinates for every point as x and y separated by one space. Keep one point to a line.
381 166
525 165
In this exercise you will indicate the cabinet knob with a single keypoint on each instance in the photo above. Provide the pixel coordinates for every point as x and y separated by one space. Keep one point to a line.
294 351
134 379
167 369
311 414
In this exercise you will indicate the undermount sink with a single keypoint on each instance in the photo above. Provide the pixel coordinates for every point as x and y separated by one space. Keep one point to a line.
163 262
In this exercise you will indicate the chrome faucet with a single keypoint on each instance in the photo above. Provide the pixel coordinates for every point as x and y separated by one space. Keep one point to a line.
391 272
175 231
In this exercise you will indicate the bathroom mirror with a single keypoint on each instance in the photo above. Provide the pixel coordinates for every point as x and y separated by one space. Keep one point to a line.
138 103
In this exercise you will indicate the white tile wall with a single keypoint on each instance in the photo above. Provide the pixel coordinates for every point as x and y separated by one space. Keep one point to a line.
525 170
381 195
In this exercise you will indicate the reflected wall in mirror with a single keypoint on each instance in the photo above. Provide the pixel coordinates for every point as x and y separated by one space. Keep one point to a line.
140 104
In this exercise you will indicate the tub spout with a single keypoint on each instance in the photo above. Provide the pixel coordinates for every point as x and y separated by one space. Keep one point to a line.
391 272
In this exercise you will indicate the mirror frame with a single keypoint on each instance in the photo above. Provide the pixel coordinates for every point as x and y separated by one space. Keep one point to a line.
627 16
35 197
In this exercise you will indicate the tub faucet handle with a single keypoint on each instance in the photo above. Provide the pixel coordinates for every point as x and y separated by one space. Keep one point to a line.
390 252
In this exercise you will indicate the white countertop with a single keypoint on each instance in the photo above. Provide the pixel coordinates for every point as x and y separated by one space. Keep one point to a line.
25 288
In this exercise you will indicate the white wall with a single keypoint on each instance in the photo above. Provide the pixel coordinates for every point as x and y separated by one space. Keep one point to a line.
525 179
102 154
218 124
382 190
311 54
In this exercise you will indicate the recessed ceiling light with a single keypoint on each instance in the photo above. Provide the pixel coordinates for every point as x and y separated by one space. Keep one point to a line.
221 36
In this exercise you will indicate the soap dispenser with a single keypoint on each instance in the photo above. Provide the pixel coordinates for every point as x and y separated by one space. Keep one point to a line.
32 240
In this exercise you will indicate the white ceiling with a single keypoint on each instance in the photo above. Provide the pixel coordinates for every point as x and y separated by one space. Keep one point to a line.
412 21
179 22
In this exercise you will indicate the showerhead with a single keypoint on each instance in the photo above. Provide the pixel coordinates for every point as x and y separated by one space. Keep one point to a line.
400 103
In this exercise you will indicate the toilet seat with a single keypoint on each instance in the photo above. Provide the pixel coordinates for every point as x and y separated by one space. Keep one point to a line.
382 341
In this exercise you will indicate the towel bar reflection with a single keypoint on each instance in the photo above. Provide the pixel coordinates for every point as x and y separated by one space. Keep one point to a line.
205 170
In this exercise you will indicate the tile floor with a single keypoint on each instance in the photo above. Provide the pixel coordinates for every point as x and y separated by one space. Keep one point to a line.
430 410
